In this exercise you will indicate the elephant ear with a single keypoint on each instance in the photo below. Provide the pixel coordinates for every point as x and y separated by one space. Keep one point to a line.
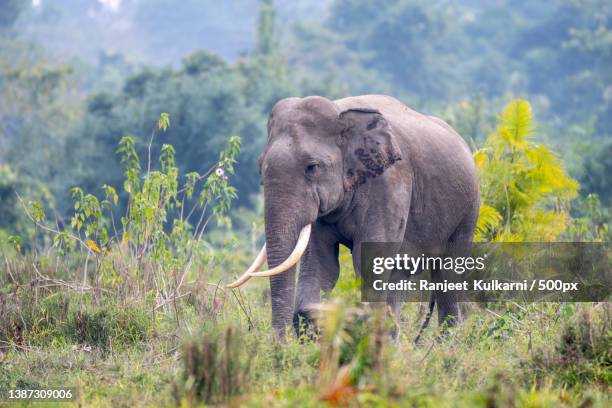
369 146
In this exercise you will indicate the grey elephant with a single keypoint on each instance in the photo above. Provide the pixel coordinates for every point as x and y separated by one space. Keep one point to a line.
349 171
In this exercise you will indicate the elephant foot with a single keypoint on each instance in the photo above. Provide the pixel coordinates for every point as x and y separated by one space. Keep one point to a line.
448 313
304 326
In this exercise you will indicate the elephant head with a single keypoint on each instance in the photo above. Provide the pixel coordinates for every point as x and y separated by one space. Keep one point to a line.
315 158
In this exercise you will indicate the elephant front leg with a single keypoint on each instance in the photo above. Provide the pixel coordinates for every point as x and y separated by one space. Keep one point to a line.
319 271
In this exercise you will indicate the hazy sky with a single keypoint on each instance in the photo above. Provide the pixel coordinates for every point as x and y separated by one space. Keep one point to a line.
111 4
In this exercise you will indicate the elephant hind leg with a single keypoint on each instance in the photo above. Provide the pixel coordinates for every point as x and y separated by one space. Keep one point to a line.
460 244
448 310
464 233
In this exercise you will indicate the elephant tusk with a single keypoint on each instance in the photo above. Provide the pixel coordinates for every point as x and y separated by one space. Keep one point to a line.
259 260
298 251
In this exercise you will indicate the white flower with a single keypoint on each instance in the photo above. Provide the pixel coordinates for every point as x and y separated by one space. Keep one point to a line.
219 172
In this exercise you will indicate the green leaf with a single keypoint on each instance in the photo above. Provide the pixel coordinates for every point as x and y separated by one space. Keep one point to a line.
516 122
164 121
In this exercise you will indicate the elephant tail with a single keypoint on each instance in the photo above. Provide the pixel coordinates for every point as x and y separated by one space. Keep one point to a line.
432 303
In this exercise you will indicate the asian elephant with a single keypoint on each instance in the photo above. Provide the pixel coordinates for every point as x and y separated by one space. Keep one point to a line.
354 170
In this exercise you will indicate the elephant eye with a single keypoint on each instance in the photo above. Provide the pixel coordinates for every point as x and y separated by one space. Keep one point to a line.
311 169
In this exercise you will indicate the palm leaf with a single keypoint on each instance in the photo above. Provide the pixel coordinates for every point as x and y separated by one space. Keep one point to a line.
489 221
516 122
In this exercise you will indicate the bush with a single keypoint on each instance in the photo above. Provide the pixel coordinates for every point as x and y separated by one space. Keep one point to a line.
63 319
216 367
110 326
582 353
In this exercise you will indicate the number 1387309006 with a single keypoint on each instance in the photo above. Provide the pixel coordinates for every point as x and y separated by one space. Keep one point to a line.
40 394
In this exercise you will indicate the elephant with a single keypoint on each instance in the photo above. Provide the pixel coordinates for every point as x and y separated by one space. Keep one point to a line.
353 170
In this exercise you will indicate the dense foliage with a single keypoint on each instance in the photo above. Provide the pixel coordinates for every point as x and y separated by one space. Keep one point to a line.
524 190
446 58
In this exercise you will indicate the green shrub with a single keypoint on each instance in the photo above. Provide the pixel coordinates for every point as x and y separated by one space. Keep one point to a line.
215 367
63 318
27 318
109 326
582 353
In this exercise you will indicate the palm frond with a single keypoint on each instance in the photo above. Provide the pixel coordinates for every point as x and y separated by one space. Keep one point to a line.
516 122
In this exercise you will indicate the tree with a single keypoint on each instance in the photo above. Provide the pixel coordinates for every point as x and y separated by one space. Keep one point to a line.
208 99
13 220
266 39
597 172
10 11
525 191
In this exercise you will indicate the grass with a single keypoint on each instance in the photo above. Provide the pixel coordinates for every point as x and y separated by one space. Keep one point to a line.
214 347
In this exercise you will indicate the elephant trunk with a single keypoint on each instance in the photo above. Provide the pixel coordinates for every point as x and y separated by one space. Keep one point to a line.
289 215
281 237
284 223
